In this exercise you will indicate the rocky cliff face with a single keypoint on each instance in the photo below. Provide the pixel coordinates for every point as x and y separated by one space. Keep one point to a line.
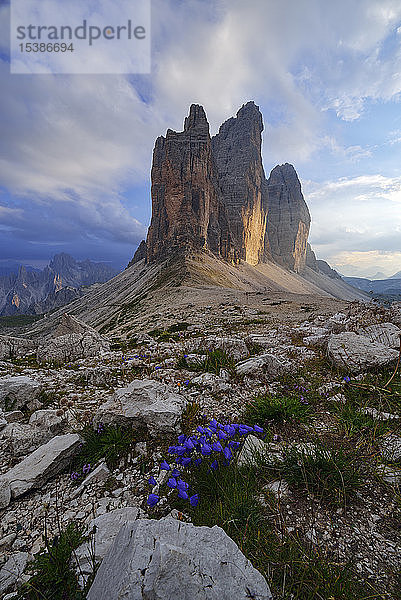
213 195
187 212
237 152
288 218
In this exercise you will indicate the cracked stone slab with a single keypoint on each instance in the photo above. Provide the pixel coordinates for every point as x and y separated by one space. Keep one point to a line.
157 560
43 464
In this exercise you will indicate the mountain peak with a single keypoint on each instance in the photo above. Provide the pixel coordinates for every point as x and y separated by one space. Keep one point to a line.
196 119
212 194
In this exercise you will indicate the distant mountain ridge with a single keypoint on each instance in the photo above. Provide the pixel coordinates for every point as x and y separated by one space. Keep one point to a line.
35 292
392 285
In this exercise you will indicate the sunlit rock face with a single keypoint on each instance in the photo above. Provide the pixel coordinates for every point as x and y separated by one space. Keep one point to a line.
212 194
237 153
187 211
288 218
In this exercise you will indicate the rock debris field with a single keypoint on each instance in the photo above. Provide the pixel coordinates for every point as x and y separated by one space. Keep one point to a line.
317 385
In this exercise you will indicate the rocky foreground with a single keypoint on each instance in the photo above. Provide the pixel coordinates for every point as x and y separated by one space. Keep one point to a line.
166 381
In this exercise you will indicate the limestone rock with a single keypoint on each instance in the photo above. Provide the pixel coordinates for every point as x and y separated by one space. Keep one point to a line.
11 572
356 352
279 488
377 414
48 419
13 347
288 218
268 364
235 348
106 528
5 493
19 392
22 438
144 403
252 450
237 153
390 448
43 464
14 416
187 211
212 382
66 348
383 333
171 559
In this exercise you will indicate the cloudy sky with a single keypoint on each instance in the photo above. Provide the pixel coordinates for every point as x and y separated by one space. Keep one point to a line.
75 150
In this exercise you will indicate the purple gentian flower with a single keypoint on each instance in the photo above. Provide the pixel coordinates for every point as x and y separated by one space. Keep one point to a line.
172 482
258 429
214 465
217 447
182 485
152 481
86 468
165 466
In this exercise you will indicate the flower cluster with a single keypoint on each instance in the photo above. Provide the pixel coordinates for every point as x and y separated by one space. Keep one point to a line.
85 470
215 443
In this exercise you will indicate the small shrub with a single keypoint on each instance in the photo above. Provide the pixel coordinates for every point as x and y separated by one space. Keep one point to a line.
330 475
266 408
53 576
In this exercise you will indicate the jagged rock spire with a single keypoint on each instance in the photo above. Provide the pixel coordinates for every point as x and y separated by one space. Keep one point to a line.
213 195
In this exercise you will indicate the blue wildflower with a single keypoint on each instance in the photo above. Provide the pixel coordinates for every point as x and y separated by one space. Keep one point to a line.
347 379
86 468
152 481
194 500
206 449
165 466
258 429
244 429
217 447
189 445
172 482
214 465
185 461
182 494
152 500
182 485
175 473
227 453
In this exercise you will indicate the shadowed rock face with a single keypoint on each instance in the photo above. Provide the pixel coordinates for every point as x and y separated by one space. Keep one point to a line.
187 211
213 195
288 219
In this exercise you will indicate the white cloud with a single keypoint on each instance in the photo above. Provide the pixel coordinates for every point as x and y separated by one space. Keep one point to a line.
80 140
355 220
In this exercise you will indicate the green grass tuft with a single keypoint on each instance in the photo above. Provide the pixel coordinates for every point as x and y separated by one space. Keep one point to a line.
265 408
330 475
53 576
